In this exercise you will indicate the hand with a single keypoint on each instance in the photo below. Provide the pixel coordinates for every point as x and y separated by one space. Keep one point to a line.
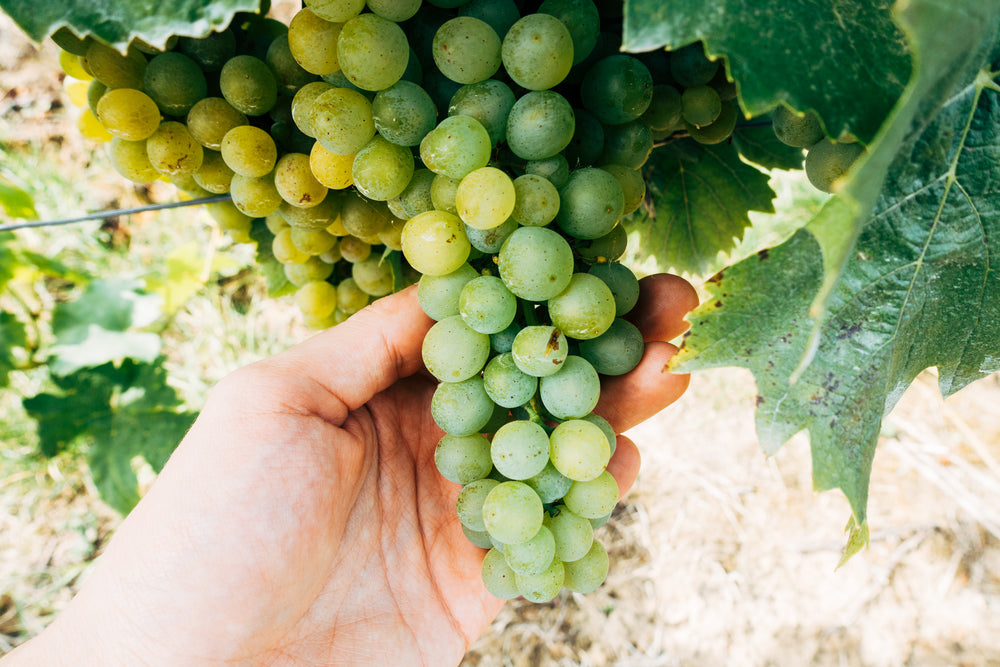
302 519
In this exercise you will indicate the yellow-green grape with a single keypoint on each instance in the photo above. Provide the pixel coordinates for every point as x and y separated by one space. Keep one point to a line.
236 223
296 183
209 120
828 161
302 105
330 169
372 52
332 256
337 10
537 51
313 241
321 216
214 175
128 113
76 91
536 201
290 75
434 243
187 185
95 91
485 198
173 151
382 170
796 130
91 128
584 575
248 84
312 41
275 223
353 249
391 235
633 185
284 248
113 69
362 217
175 82
394 10
70 63
255 195
342 121
129 158
718 130
373 275
314 268
249 151
700 105
466 50
316 299
350 297
443 190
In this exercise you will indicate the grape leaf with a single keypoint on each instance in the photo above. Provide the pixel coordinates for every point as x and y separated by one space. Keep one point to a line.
917 290
12 334
185 271
759 145
124 412
118 22
274 272
845 58
8 259
15 202
100 326
701 196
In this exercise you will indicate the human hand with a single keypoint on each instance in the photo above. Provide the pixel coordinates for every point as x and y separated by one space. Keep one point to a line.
302 519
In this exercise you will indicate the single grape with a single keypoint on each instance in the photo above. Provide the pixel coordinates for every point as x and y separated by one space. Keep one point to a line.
718 130
313 242
520 449
628 144
372 52
453 352
486 304
579 449
296 183
489 102
316 299
586 574
130 159
469 504
374 275
466 50
461 408
112 68
249 151
210 119
540 125
312 41
512 512
314 268
404 113
255 195
215 176
535 263
337 10
615 352
128 113
443 189
534 556
573 534
489 241
537 51
590 204
341 120
173 151
664 111
439 295
582 20
302 106
248 85
350 297
617 89
463 459
539 350
485 198
457 146
555 169
632 183
828 161
585 309
550 484
382 170
796 130
497 576
416 196
700 106
541 587
175 82
506 384
594 498
572 391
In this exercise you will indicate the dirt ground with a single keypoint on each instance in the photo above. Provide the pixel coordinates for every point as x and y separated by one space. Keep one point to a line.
720 555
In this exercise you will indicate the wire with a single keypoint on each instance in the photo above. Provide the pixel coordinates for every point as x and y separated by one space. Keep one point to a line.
112 212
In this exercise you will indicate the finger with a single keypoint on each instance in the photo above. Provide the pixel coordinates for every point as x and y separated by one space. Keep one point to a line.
627 400
624 465
664 300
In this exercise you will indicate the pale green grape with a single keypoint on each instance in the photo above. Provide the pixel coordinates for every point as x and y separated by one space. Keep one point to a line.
480 538
210 119
828 161
173 151
537 201
585 309
617 89
489 241
520 449
469 505
457 146
466 50
463 459
439 295
130 159
321 216
535 263
354 249
404 113
443 189
248 85
586 574
607 248
487 305
128 113
550 484
632 183
594 498
497 576
540 125
506 384
581 19
175 82
373 275
615 352
255 195
112 68
236 224
489 102
350 297
341 120
316 299
314 268
512 512
590 204
215 176
572 391
541 587
534 556
572 533
289 74
579 449
381 169
249 151
461 408
537 51
362 217
284 249
302 105
434 243
372 52
555 169
416 196
453 352
313 242
337 10
485 198
539 350
621 281
296 183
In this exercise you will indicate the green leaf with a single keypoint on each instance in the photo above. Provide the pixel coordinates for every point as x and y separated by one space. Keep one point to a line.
917 290
118 22
274 272
16 202
759 145
701 196
12 335
8 259
100 326
844 59
124 412
185 271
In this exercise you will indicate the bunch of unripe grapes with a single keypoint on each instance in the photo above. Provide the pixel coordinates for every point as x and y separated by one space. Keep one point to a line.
487 149
827 160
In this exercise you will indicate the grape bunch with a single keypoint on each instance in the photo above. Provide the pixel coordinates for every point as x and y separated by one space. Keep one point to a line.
484 149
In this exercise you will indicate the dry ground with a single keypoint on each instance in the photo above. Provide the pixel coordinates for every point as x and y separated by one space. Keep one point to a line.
720 556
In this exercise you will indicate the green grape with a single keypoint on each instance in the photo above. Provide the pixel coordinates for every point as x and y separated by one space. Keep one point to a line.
248 85
210 119
394 10
257 32
628 144
535 263
249 151
541 587
461 408
175 82
499 14
466 50
173 151
632 183
236 224
416 196
290 75
520 450
443 189
615 352
372 52
617 89
215 176
469 505
341 120
606 428
512 512
573 534
489 102
796 130
537 52
302 105
187 184
275 222
95 91
572 392
540 124
463 459
330 169
314 268
130 159
539 350
211 51
497 576
439 295
486 305
828 161
296 183
585 309
392 237
555 169
490 241
313 242
354 249
485 198
506 384
331 256
362 217
621 281
718 130
479 538
587 144
435 243
607 248
691 68
439 87
337 10
321 216
457 146
350 297
534 556
381 169
590 204
112 68
579 449
373 275
550 484
452 351
255 195
586 574
664 112
128 113
700 106
316 299
284 249
404 113
594 498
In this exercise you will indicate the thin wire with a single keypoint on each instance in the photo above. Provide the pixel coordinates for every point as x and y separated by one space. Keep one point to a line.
112 212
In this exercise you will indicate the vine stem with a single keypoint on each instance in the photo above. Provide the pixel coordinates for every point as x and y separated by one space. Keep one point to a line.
98 215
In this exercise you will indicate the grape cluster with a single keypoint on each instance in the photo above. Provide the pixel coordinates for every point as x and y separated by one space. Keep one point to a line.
827 160
486 149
